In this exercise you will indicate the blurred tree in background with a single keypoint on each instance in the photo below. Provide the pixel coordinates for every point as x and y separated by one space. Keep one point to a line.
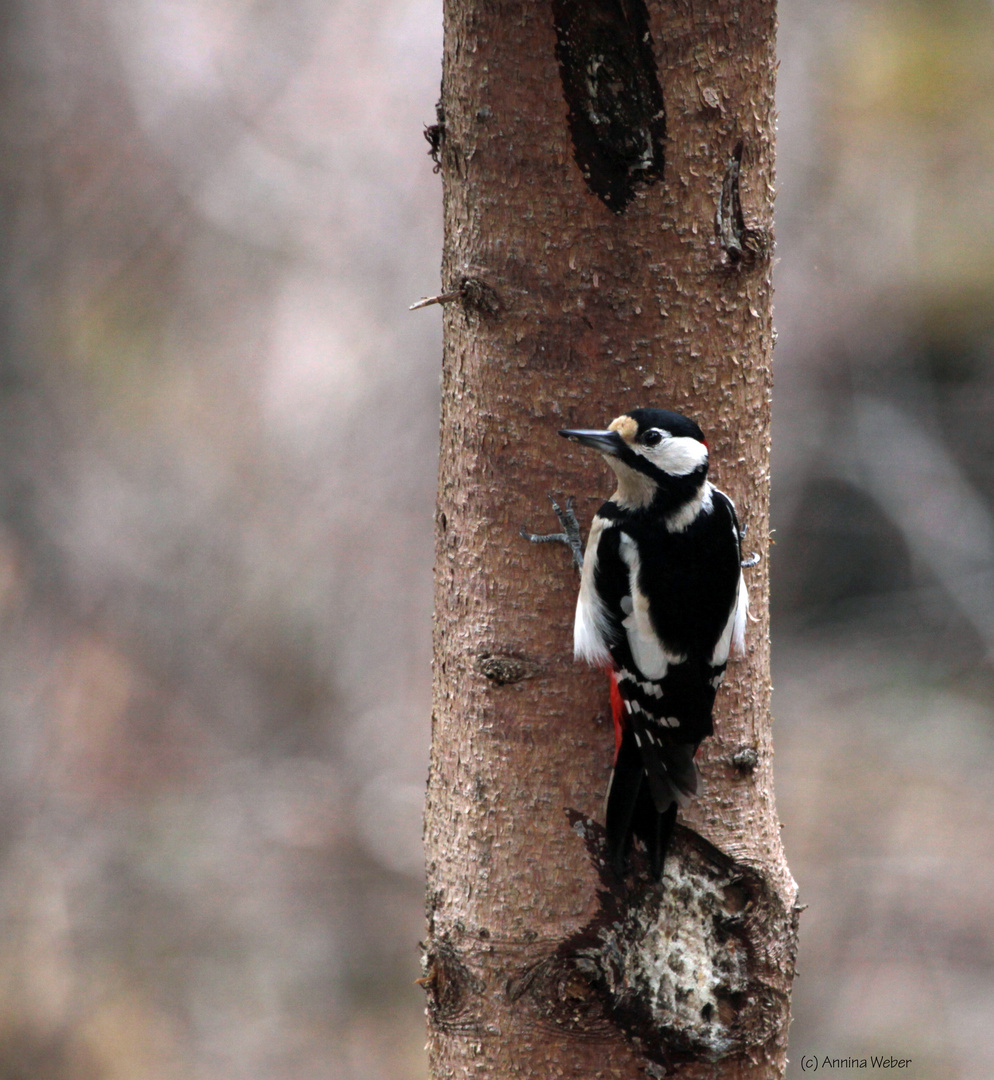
217 471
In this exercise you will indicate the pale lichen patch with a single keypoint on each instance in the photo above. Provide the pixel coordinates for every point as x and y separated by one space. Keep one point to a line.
689 966
679 962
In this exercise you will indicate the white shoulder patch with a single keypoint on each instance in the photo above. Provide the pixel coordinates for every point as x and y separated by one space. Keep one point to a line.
741 615
701 503
591 628
733 635
651 656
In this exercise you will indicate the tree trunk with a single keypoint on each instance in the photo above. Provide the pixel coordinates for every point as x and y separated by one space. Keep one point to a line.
608 184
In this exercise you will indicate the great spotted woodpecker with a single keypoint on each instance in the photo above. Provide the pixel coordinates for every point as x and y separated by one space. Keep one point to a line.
662 603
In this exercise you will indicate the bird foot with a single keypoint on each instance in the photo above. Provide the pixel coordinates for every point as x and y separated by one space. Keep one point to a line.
570 536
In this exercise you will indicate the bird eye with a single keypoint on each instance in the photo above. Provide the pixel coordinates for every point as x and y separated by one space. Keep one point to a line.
652 437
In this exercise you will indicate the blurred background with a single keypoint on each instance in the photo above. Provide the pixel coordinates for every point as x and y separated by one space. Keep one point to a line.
215 588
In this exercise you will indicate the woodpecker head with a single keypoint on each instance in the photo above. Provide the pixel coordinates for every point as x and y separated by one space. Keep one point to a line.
655 454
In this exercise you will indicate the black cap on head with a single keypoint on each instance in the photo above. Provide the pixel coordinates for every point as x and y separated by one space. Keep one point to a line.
673 422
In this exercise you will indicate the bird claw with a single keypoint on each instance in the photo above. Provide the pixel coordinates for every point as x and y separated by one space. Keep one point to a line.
749 560
570 536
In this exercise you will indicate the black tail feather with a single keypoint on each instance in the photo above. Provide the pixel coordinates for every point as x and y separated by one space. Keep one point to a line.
626 793
632 810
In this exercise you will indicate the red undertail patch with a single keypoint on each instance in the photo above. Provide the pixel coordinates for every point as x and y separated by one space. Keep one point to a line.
617 710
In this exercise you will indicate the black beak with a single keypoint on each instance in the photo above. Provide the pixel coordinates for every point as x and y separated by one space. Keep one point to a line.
606 442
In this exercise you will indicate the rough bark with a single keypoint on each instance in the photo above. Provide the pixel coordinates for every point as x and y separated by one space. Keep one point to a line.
589 277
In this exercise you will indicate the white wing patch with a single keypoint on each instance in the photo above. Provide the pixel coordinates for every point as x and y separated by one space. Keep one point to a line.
591 627
651 656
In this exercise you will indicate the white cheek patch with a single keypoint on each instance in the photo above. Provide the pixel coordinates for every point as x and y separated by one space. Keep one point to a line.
678 455
635 489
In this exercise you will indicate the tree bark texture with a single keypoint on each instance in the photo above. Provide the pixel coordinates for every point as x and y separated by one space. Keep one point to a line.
608 186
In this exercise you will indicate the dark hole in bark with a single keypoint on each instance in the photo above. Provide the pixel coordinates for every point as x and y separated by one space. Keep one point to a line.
611 84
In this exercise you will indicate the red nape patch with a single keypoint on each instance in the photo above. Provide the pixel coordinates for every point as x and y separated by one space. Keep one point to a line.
617 710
